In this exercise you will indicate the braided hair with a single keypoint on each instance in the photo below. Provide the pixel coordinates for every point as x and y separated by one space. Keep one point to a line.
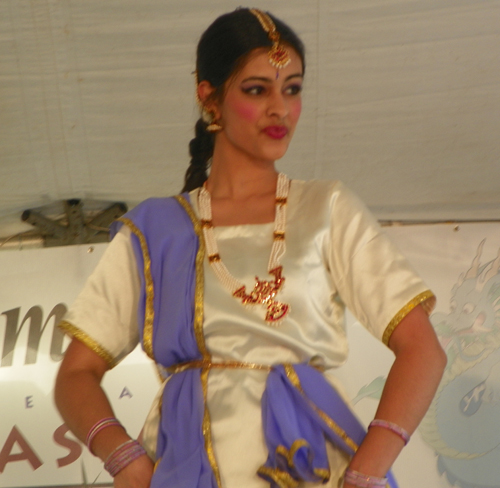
222 50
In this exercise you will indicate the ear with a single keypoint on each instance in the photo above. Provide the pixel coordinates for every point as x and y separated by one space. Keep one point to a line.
205 93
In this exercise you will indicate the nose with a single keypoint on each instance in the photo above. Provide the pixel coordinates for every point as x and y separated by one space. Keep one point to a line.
278 105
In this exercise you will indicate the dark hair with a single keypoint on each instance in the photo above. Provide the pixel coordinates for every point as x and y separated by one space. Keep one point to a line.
222 50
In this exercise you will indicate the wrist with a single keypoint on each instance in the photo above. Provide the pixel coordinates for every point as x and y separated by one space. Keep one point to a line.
361 480
125 454
104 437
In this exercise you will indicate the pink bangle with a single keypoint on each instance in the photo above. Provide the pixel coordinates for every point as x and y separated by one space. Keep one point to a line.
97 427
392 427
363 481
122 456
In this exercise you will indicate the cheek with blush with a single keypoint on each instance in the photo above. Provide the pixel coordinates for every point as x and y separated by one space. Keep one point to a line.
246 110
295 110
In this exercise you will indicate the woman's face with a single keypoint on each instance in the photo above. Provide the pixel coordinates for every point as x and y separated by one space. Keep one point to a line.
261 108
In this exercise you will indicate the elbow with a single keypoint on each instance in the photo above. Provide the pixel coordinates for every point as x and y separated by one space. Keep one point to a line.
436 360
441 359
61 387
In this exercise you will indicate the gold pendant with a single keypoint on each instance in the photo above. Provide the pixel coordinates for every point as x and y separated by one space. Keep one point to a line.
263 293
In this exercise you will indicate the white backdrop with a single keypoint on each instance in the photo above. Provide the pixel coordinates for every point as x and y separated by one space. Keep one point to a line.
401 101
457 442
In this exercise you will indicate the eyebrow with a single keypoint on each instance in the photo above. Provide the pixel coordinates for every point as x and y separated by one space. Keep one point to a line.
269 80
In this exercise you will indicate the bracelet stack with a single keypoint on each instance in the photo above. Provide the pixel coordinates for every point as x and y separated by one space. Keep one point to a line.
98 426
363 481
392 427
122 456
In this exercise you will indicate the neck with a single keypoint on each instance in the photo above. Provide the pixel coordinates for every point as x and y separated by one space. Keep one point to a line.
238 177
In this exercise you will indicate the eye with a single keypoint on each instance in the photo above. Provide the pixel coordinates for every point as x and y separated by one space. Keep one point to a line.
468 308
254 90
294 89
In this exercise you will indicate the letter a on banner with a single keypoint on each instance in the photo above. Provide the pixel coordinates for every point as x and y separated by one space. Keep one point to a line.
27 453
126 393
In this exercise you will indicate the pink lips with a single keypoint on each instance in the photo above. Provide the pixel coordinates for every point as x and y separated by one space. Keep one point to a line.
276 131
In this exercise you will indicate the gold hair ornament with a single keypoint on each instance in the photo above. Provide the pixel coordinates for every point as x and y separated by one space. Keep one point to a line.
278 55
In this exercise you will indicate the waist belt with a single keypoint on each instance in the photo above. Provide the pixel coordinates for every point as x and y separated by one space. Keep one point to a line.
204 364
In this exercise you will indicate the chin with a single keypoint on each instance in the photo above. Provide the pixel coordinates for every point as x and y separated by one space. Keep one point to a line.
276 152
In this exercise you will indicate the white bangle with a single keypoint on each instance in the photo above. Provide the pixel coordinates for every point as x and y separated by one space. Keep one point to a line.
392 427
362 480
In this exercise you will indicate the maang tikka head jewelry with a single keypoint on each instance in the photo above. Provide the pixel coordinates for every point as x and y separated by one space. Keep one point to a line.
278 55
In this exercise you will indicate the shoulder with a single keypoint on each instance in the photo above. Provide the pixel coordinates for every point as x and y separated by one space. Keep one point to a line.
337 210
154 213
321 188
332 195
152 205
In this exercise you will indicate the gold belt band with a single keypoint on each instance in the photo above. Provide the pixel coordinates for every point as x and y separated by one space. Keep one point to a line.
204 364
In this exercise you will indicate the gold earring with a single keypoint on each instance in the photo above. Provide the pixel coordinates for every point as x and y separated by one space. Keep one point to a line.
214 127
209 118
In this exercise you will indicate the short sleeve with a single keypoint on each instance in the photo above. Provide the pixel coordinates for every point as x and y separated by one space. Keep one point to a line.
373 278
104 315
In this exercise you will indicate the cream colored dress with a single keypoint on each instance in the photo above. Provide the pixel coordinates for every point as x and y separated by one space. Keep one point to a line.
336 256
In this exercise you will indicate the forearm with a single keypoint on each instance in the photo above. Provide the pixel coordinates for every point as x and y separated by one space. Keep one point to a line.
409 389
408 392
82 402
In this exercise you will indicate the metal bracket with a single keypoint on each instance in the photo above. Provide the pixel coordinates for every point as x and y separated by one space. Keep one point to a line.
74 228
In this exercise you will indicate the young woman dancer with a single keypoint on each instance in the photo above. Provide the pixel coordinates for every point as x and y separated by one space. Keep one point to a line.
237 290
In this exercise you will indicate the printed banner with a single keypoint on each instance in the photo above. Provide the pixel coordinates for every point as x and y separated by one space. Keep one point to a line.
456 444
36 449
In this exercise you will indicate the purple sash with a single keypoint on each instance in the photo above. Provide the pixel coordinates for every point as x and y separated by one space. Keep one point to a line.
298 405
300 409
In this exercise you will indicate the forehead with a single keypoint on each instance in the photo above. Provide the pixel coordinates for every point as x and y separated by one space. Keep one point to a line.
258 65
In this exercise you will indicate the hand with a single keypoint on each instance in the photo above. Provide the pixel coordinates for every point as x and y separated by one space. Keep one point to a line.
137 474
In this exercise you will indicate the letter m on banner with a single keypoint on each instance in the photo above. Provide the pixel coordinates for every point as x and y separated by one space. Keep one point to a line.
34 317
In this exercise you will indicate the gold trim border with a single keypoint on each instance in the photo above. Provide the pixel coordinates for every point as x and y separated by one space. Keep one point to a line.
198 330
428 301
198 294
324 474
91 343
282 478
289 454
149 313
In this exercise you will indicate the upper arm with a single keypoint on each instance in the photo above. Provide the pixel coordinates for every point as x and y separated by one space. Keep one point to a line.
104 315
80 358
415 333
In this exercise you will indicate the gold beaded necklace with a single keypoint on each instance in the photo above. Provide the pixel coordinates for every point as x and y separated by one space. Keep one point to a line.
264 292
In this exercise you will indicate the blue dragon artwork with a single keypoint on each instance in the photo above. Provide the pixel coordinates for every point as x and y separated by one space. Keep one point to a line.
462 424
